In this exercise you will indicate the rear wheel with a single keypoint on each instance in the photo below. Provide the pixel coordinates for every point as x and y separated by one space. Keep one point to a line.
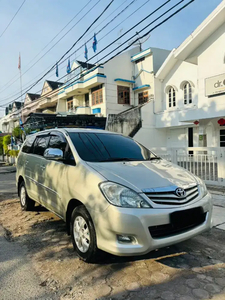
25 202
83 234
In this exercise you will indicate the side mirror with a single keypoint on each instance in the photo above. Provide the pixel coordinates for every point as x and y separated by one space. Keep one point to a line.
53 154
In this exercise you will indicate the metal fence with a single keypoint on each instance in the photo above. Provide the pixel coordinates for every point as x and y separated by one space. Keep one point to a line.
208 163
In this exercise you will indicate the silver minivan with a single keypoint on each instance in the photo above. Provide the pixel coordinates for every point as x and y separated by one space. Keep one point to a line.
113 193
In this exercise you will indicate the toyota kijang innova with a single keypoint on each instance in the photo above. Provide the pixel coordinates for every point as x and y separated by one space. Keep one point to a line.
113 193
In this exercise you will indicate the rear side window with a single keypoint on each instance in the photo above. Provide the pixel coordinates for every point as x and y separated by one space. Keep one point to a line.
40 145
28 144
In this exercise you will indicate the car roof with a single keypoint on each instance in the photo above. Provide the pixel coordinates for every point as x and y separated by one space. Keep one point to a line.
78 130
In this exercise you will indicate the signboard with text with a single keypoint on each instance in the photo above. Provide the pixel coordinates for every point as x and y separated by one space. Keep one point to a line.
215 85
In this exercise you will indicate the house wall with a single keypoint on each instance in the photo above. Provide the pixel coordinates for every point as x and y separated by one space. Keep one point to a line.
143 72
159 57
120 67
210 62
124 123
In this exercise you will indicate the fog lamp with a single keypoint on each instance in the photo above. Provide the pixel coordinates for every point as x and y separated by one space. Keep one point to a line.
125 238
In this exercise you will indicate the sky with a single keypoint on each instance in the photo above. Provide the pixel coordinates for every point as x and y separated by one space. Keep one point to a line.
41 24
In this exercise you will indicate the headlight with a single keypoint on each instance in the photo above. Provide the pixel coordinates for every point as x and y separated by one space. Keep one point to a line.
122 196
202 188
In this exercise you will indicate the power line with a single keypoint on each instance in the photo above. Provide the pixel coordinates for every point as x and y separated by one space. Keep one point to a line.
106 46
133 42
12 18
53 40
147 33
13 95
74 43
144 35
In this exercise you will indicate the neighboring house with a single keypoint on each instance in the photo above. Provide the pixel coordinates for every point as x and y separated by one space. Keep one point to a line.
121 84
49 97
30 104
46 102
11 118
190 102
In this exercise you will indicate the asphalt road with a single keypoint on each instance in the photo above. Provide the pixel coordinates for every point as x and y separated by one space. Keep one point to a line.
17 277
8 185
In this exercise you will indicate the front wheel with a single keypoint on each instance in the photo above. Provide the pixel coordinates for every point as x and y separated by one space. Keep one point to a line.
25 202
83 234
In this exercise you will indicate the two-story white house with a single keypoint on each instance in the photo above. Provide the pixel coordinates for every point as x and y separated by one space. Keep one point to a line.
190 97
122 83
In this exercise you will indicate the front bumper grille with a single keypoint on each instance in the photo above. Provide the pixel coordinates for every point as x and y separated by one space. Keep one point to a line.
169 197
181 222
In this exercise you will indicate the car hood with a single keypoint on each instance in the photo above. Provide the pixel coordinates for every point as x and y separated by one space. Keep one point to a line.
143 175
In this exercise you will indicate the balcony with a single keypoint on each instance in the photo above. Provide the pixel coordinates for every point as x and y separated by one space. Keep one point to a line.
90 79
47 102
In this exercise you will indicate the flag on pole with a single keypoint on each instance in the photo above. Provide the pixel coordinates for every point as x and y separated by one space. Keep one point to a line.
12 141
86 52
57 70
68 69
21 125
94 45
19 63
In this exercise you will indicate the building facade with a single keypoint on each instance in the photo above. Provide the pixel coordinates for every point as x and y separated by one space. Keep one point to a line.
11 119
121 84
190 100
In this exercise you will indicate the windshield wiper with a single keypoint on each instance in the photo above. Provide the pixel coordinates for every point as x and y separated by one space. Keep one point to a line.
155 157
117 159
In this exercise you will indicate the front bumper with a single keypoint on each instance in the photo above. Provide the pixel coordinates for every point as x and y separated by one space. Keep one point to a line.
136 222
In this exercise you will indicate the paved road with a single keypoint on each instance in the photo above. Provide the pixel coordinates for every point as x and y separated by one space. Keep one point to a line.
192 270
7 185
17 277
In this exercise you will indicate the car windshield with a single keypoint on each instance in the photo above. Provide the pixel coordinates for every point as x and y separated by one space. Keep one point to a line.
105 147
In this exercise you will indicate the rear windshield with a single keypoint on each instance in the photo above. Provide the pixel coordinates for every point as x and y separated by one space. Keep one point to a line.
101 147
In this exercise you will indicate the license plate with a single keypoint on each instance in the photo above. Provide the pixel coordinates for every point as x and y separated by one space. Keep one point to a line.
186 217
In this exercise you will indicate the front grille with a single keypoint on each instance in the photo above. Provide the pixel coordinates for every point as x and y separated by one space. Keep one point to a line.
181 222
169 197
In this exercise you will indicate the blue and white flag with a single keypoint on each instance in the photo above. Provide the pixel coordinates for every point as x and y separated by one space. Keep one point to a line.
86 52
57 70
21 124
68 69
12 141
94 45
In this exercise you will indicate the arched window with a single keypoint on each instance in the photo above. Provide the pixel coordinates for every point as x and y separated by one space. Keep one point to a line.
172 97
187 93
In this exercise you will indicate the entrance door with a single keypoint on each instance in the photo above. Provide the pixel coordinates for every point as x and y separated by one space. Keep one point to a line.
222 138
86 99
190 139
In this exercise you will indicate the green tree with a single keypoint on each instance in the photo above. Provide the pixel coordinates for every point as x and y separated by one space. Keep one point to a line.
13 153
6 142
1 145
17 132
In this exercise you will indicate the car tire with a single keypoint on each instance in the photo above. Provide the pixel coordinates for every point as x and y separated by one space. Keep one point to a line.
83 234
26 203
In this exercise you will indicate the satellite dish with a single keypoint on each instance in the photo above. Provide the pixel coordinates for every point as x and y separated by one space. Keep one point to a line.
140 40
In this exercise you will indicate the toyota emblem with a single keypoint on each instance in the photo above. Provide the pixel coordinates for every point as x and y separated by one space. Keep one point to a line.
180 192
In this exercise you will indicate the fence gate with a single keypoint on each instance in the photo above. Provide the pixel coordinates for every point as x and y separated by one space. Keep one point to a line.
208 163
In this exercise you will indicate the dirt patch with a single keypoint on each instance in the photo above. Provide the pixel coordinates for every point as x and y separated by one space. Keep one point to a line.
170 269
